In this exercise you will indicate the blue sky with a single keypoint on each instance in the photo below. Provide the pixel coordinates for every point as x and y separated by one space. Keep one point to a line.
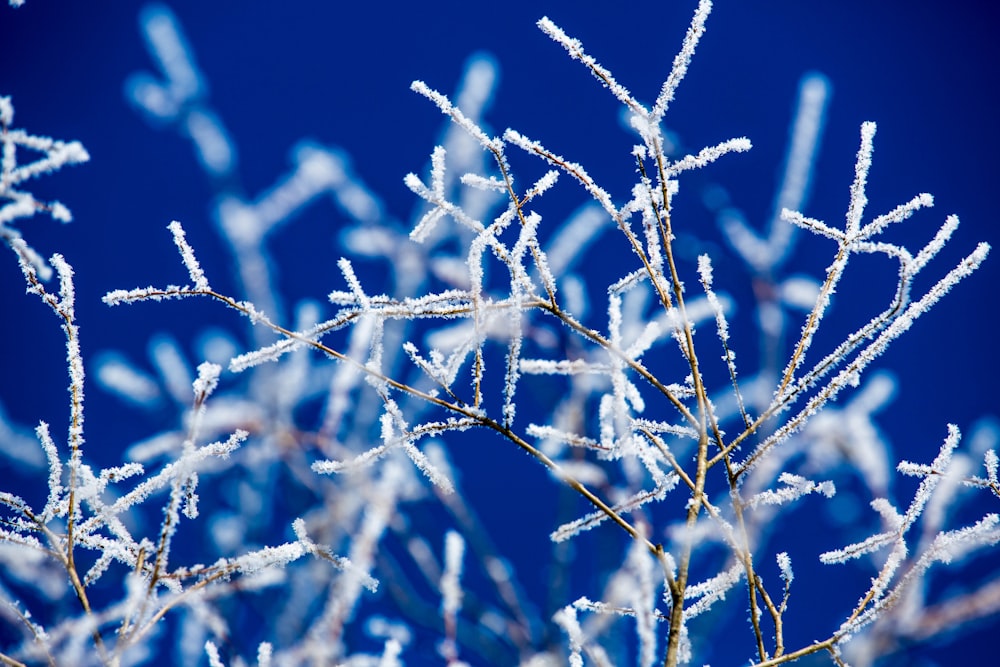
281 72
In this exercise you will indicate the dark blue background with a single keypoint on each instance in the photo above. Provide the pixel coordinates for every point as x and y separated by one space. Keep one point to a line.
340 73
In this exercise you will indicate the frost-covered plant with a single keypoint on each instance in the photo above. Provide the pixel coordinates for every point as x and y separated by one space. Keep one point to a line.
486 298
